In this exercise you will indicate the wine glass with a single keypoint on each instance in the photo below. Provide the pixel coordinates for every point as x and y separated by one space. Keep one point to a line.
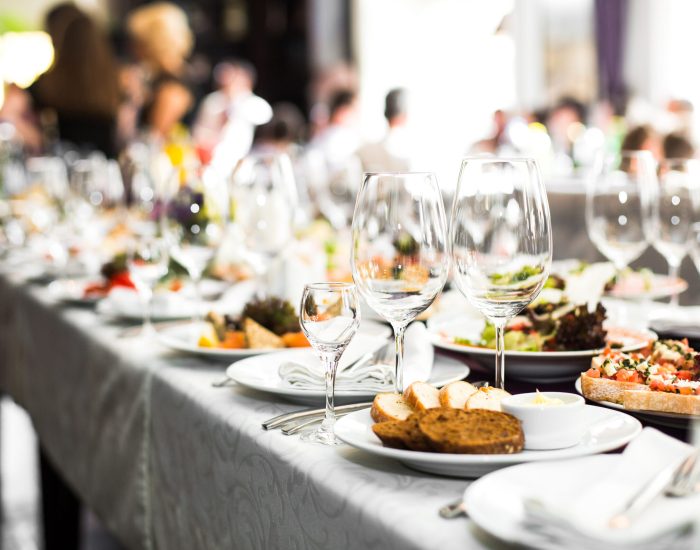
399 249
501 240
147 261
329 317
695 245
673 211
263 200
618 202
193 225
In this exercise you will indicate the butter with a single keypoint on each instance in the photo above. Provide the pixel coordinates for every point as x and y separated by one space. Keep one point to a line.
542 400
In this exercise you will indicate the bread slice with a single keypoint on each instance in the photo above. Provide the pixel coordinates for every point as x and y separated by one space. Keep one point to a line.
390 406
661 401
488 398
422 396
403 434
603 389
472 432
259 337
455 394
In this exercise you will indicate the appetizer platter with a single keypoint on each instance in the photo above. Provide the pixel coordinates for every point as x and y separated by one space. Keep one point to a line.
462 431
660 383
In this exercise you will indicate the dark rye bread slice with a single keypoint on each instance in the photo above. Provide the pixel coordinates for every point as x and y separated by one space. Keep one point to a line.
475 431
402 434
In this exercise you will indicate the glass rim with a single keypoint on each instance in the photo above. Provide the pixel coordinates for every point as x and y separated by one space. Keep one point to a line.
498 159
398 173
328 285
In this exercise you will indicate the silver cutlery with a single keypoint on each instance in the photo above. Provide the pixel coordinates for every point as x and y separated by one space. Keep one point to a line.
308 414
453 510
223 383
675 480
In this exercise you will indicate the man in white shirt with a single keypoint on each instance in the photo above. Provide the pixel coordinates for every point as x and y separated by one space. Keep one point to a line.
393 152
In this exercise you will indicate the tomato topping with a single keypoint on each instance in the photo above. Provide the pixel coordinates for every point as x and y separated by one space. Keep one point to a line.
593 373
684 375
627 375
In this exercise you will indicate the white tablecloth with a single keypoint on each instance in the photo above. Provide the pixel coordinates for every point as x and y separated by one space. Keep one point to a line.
167 461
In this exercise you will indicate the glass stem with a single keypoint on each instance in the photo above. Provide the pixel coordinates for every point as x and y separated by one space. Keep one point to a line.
399 331
197 280
331 366
673 270
500 325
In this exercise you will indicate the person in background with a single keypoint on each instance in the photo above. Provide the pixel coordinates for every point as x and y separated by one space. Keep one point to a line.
17 111
227 118
677 146
498 137
565 115
340 140
642 138
284 132
393 153
80 93
161 40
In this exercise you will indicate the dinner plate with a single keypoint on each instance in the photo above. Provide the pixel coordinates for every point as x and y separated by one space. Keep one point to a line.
261 373
658 418
531 366
495 502
606 430
72 291
184 336
636 286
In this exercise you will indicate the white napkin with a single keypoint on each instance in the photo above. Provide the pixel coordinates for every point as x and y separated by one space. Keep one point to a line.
588 286
127 302
418 363
588 510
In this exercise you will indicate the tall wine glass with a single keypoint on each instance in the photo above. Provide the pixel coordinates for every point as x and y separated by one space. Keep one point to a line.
673 212
329 317
399 249
501 240
618 201
194 226
147 261
695 246
263 200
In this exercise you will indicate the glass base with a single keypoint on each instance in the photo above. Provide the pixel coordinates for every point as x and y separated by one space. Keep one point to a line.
322 436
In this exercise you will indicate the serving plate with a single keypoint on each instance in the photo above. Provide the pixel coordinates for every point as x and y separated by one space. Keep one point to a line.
531 366
261 373
495 504
606 430
184 336
658 418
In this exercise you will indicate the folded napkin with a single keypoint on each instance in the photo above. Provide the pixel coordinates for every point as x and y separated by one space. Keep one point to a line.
127 302
308 374
578 518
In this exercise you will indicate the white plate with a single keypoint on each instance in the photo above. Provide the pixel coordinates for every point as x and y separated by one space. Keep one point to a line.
532 366
72 291
132 309
607 430
659 286
659 418
261 373
184 336
495 501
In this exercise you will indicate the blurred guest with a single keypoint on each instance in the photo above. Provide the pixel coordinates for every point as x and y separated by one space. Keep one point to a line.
676 146
285 130
562 122
227 118
81 89
393 153
324 86
162 41
17 110
642 138
340 140
498 136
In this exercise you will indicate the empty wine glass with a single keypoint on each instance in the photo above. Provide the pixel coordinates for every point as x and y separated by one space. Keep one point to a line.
618 201
194 227
329 317
399 249
695 246
501 240
147 261
263 200
673 212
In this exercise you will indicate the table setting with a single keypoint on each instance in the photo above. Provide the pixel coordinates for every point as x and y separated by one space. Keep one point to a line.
437 354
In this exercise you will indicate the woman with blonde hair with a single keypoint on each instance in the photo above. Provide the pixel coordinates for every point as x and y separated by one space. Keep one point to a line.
162 41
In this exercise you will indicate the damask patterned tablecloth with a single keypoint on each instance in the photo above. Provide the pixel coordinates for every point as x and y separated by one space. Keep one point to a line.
167 461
